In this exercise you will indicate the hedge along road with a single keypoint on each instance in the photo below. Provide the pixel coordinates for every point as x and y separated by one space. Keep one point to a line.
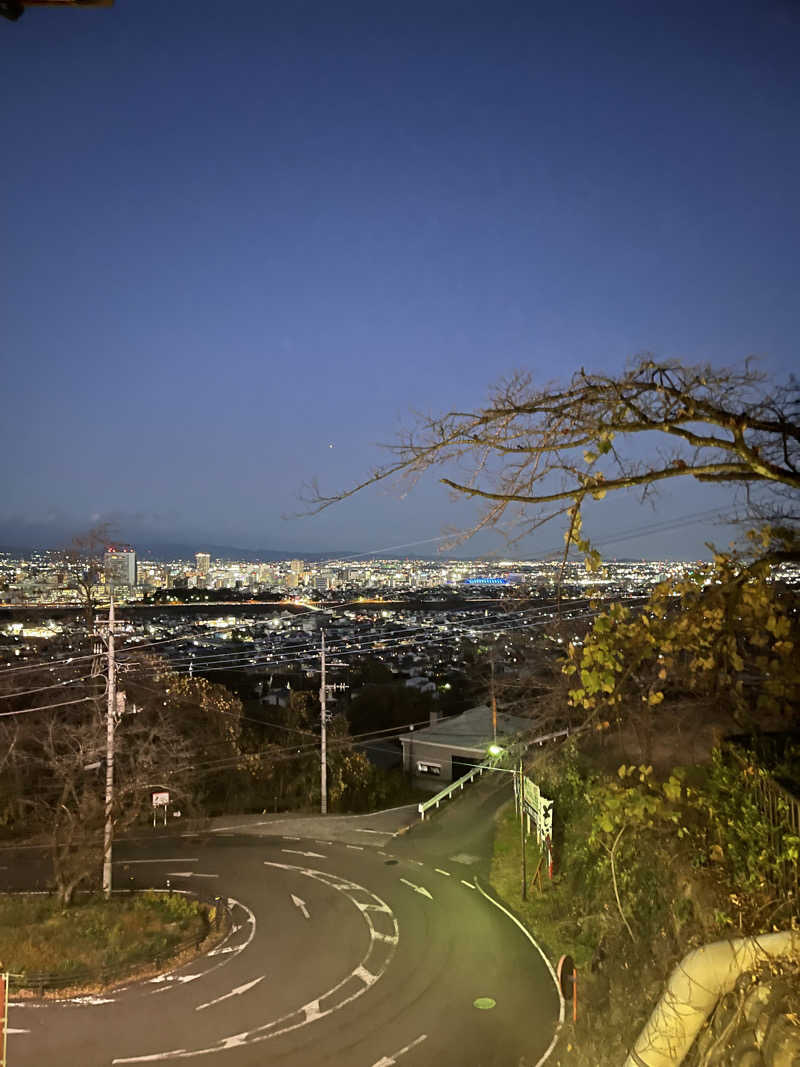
366 950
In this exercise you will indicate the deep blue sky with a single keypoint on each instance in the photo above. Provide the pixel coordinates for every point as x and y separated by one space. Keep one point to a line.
235 234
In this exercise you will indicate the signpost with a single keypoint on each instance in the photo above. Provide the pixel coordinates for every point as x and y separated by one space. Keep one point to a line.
160 800
539 811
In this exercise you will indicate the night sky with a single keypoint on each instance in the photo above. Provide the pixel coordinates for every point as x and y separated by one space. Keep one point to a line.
235 234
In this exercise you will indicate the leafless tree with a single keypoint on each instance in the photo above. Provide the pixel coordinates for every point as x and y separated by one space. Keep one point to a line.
532 454
84 560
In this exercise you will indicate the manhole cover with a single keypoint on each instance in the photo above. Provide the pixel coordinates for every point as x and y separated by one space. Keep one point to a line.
390 863
484 1003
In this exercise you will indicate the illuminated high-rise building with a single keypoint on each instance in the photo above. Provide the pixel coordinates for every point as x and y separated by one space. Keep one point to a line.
203 562
119 565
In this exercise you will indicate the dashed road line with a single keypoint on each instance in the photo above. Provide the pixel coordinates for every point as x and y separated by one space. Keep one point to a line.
440 871
389 1061
469 885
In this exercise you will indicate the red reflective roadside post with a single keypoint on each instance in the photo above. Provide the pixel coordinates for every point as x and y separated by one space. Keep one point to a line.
3 1017
568 981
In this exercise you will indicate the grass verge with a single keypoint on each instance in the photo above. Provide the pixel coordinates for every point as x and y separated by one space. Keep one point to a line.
95 938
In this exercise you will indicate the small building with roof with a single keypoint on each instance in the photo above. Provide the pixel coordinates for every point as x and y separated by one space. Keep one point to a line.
450 747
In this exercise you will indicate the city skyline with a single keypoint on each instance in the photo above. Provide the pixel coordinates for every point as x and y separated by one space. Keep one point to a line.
241 252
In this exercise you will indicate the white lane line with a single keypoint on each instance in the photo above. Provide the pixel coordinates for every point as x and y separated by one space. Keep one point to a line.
550 1048
297 852
237 992
301 904
189 874
173 1053
323 842
417 888
179 859
373 966
440 871
359 848
12 1030
469 885
383 833
285 837
388 1061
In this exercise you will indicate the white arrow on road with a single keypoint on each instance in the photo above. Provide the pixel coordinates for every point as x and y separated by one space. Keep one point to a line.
301 904
189 874
237 992
417 888
297 852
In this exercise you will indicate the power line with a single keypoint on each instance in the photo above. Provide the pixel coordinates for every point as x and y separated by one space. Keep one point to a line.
46 707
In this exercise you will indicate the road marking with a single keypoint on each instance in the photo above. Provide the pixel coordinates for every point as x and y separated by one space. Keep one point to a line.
469 885
312 1010
383 833
550 1048
367 977
237 992
417 888
179 859
419 863
360 848
440 871
222 949
189 874
12 1030
323 842
388 1061
297 852
285 837
301 904
174 1053
372 967
388 938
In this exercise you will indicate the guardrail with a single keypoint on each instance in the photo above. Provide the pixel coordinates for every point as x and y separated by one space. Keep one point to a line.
459 783
487 765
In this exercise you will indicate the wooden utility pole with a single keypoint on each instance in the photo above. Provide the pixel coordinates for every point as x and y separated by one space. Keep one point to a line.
110 720
323 715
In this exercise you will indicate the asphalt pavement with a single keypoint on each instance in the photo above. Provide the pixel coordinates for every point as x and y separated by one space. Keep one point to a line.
357 941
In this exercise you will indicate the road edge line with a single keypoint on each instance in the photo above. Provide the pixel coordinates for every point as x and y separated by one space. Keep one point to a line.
551 1047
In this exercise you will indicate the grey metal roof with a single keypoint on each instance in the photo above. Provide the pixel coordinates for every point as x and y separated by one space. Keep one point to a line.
472 729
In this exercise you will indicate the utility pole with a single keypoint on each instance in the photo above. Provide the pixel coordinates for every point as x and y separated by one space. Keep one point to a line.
323 716
110 721
494 706
522 830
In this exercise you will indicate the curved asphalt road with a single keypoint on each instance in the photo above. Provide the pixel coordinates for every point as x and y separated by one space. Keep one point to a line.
352 946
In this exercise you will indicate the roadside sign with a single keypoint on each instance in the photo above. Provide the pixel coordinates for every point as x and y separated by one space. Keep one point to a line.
160 800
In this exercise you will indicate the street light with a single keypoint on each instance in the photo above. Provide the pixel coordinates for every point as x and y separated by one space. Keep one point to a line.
495 750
